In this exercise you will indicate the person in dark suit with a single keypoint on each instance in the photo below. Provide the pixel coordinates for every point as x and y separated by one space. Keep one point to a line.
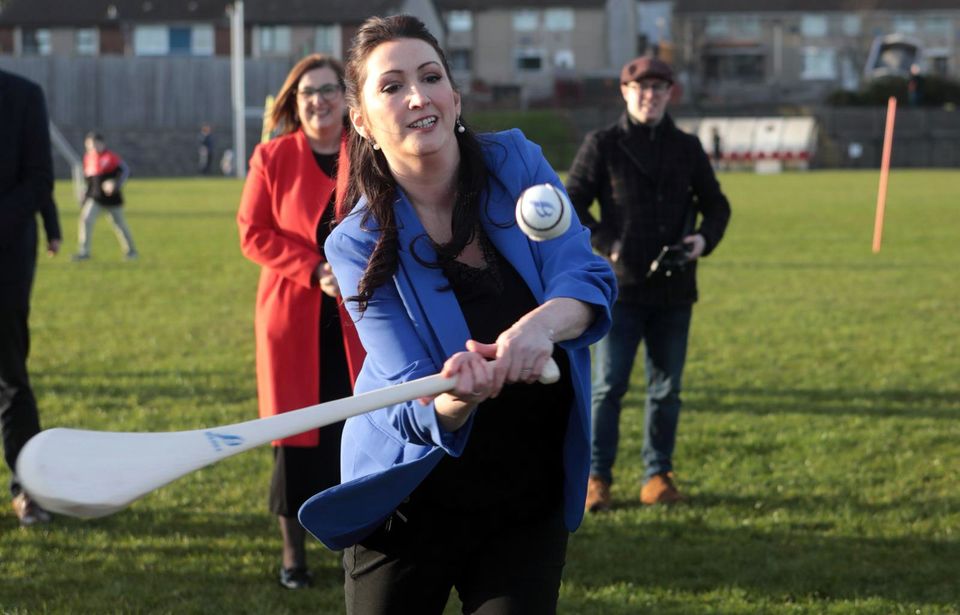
26 189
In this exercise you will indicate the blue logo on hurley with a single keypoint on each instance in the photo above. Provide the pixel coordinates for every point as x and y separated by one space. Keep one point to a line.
220 440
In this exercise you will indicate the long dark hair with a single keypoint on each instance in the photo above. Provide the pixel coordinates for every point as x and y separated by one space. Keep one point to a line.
369 175
283 116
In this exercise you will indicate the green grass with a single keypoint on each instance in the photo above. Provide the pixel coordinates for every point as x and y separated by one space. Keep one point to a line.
819 438
550 128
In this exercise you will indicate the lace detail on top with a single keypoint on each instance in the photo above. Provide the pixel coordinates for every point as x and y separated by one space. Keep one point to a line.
471 281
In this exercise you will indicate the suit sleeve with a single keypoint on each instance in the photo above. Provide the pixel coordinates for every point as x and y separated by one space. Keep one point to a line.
711 202
34 192
395 352
260 239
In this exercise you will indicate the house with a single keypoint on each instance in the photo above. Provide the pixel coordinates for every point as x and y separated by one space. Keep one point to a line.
114 27
190 28
522 49
148 73
294 28
791 51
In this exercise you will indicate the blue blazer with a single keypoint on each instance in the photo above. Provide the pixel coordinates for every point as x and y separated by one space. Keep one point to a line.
412 326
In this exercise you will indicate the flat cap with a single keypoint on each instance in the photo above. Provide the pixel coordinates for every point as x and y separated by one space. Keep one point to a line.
646 68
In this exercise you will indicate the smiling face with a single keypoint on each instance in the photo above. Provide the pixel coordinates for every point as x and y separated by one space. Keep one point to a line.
646 99
320 103
407 104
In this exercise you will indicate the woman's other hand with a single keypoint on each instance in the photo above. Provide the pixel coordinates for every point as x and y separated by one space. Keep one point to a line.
475 380
328 281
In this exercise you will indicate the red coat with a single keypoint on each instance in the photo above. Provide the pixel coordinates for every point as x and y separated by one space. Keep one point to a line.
283 199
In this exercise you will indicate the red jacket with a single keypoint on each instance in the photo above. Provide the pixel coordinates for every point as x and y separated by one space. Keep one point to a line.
283 199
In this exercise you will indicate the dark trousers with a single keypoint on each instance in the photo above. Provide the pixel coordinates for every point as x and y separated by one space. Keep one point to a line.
410 566
18 408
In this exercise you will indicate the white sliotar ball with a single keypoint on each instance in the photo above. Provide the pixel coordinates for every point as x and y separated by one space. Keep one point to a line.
543 212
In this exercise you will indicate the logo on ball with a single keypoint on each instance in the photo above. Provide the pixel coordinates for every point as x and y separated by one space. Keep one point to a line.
546 211
543 212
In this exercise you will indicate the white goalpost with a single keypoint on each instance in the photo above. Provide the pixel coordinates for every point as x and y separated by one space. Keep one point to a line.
63 147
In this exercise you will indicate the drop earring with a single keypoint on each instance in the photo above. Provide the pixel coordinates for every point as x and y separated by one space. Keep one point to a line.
375 145
460 127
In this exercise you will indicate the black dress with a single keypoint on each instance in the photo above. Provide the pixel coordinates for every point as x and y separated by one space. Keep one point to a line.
301 472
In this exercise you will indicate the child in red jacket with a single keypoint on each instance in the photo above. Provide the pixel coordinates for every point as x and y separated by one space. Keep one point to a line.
105 173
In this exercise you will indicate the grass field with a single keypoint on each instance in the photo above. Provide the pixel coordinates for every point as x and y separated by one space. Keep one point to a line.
819 439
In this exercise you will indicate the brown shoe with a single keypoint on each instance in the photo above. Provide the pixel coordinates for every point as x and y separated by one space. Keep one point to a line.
660 490
598 495
28 512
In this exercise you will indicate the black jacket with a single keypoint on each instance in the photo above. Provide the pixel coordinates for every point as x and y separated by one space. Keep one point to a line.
654 186
26 185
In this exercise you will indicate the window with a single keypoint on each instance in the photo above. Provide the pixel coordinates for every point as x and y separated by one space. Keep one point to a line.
180 41
813 26
937 26
563 58
530 60
749 26
740 67
35 42
151 41
202 41
850 25
558 20
460 60
274 40
172 40
87 42
326 40
904 24
460 21
819 63
940 65
525 21
718 25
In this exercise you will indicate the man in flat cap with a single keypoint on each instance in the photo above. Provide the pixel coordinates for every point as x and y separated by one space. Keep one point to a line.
661 209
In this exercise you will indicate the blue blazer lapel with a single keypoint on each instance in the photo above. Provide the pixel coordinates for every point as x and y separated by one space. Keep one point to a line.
521 253
509 240
425 291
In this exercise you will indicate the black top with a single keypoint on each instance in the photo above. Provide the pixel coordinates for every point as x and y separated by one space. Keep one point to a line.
334 376
327 164
512 465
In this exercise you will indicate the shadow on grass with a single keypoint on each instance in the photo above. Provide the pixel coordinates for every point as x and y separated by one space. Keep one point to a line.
833 402
783 564
171 534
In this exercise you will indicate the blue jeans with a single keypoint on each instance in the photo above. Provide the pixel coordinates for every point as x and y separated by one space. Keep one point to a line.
664 332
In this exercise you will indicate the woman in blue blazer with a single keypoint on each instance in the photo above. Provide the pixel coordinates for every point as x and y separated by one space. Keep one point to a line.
479 487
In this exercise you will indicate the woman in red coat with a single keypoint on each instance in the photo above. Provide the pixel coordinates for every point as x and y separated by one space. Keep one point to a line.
307 350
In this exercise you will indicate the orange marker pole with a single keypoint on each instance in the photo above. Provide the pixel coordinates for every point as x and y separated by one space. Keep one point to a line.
884 173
